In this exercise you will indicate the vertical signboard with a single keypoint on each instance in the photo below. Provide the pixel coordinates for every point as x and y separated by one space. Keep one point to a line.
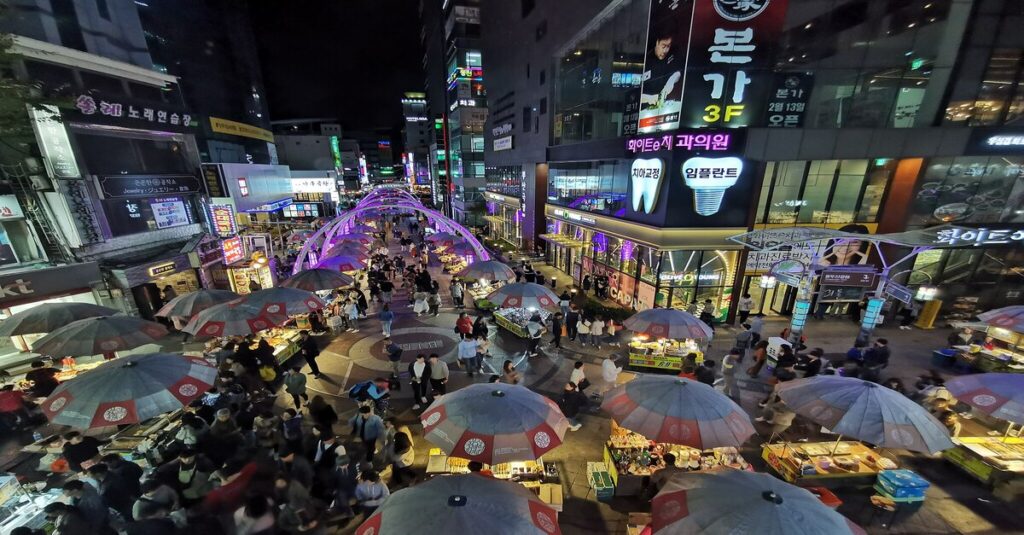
730 50
661 93
787 99
53 142
707 62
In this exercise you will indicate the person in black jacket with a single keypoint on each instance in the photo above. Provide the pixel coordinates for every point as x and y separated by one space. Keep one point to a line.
116 493
572 401
129 472
309 350
419 373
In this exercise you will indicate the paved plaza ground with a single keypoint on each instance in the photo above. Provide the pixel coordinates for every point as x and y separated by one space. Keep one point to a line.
955 504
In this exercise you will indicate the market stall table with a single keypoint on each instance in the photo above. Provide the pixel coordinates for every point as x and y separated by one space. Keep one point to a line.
990 360
630 457
540 477
662 354
515 319
995 461
825 463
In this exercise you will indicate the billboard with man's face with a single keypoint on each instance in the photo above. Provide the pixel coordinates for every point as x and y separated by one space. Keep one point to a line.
668 36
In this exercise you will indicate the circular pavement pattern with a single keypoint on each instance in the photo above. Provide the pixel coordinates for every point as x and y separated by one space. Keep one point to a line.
369 352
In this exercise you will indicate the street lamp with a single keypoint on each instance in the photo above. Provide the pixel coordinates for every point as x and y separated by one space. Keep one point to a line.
926 293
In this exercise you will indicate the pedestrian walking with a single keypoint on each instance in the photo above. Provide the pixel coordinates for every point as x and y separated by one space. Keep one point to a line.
457 293
563 301
578 376
610 374
746 304
583 330
386 316
571 402
464 325
729 366
434 302
352 313
557 324
509 373
420 373
387 289
310 351
438 374
367 427
597 331
394 354
586 284
535 330
419 302
467 355
295 386
572 319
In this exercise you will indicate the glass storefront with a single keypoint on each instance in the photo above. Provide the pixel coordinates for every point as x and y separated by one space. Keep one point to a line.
971 280
823 192
595 186
505 223
642 276
970 190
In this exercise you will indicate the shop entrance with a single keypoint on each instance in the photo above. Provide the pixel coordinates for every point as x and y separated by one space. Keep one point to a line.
777 301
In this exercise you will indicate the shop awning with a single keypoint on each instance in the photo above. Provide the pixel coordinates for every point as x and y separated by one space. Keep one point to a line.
562 240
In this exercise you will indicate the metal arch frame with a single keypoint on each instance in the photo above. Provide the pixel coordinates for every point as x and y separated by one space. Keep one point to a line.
383 199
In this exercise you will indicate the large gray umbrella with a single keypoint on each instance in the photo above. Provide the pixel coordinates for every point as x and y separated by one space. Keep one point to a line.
49 316
234 318
491 270
865 411
99 335
129 390
494 423
729 501
467 503
287 301
316 279
192 303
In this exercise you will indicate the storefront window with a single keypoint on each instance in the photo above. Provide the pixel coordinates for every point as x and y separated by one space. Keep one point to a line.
926 267
824 191
649 259
598 186
679 268
612 258
718 268
970 190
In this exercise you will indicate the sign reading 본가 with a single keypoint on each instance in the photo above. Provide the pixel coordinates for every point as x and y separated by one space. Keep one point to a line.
787 100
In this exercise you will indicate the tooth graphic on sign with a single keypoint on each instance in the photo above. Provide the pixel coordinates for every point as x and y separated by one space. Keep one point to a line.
709 178
646 175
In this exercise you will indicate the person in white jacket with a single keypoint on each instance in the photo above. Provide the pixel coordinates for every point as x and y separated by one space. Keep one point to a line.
610 373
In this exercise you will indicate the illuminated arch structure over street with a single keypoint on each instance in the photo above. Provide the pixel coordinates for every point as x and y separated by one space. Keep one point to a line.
381 201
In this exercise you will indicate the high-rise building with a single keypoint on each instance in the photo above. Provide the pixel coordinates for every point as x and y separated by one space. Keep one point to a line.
436 87
519 51
416 136
679 125
465 101
209 45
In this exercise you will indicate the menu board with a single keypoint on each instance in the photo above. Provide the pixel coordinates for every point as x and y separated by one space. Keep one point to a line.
234 250
169 213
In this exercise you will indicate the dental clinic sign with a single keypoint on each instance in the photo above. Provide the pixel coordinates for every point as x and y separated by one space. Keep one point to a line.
699 174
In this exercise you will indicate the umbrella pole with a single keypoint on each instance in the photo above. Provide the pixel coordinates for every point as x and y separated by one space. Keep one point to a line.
836 445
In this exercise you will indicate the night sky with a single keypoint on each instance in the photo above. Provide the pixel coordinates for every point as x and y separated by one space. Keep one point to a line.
351 59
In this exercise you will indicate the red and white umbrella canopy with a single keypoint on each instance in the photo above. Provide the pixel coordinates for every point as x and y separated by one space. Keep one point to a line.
668 323
1011 317
234 318
491 270
348 249
466 503
313 280
98 335
192 303
494 423
354 237
674 410
129 390
286 301
342 263
524 295
727 500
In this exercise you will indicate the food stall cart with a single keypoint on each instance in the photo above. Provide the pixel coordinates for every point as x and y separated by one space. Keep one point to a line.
241 273
285 341
661 354
825 463
630 457
452 263
991 349
21 505
995 461
515 319
540 477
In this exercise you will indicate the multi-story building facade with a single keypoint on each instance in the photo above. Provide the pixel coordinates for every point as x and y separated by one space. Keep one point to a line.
211 48
465 101
871 117
519 51
416 139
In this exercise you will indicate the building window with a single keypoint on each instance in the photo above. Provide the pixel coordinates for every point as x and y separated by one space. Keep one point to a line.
543 105
527 71
527 118
103 9
970 189
823 191
527 6
542 29
543 76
